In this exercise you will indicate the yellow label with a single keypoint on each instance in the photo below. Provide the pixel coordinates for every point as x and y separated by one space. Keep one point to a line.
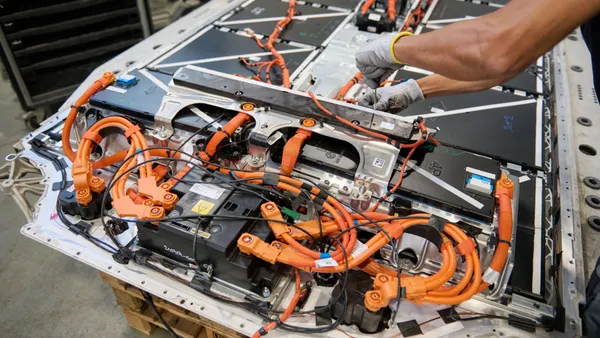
203 207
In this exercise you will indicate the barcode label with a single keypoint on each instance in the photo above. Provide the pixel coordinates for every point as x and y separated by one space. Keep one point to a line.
359 248
326 262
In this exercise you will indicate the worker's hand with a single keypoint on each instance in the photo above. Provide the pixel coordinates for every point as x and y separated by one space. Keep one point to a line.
375 61
399 96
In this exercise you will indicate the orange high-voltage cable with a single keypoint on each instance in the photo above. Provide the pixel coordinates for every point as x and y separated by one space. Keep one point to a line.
278 61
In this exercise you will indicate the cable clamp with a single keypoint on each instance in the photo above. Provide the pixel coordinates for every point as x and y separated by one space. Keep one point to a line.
505 242
92 136
132 130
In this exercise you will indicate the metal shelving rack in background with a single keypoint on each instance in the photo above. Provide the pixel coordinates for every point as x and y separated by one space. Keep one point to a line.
49 47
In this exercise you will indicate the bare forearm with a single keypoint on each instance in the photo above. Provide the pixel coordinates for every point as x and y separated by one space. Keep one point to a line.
437 85
498 45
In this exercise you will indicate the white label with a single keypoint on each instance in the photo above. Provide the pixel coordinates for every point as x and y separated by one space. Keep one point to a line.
387 125
372 29
208 190
379 162
117 89
326 262
359 248
480 173
524 178
437 110
374 17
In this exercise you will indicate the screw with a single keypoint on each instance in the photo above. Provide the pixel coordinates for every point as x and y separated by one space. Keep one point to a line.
214 229
326 182
375 296
175 137
247 239
95 180
266 292
81 192
239 93
165 186
345 188
174 213
383 279
277 245
155 211
269 207
169 197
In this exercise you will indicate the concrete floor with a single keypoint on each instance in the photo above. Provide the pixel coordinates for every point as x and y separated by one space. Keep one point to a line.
42 292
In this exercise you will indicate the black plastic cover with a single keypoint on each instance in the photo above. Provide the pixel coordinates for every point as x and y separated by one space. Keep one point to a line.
69 205
450 166
216 239
358 284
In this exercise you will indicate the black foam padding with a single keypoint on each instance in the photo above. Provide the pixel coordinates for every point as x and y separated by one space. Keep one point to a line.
313 31
453 9
524 245
506 134
449 315
410 328
448 165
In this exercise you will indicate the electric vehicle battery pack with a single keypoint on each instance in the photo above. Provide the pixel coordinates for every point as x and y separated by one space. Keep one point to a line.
216 241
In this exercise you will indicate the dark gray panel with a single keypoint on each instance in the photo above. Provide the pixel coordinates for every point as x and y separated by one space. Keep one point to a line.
453 9
507 134
221 44
273 8
292 62
311 31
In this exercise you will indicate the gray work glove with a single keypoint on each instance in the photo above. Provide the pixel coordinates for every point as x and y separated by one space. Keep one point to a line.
399 96
375 61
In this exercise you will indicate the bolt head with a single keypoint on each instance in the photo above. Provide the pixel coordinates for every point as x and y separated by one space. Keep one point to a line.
165 186
269 207
326 182
278 246
169 197
81 192
96 180
383 279
375 296
247 239
155 211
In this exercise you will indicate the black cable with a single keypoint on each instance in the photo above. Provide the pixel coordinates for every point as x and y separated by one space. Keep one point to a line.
204 128
194 241
150 302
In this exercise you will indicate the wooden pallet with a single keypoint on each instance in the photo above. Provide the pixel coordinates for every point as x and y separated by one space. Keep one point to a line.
140 316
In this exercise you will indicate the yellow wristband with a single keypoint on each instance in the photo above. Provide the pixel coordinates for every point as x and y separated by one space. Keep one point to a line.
401 34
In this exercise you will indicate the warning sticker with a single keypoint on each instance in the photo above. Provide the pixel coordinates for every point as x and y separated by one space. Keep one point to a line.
203 207
325 262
